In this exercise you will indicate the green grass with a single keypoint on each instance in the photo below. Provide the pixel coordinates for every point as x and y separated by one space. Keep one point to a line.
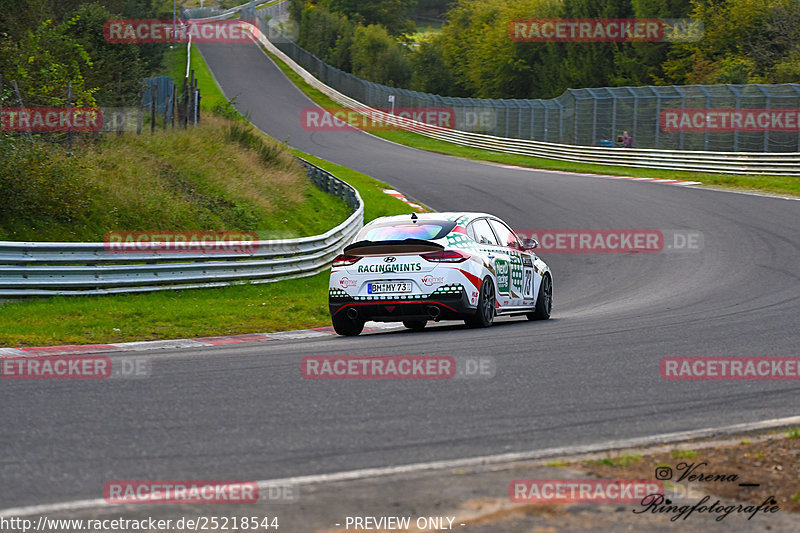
376 202
683 454
425 29
772 184
286 305
211 94
237 309
793 433
214 176
174 66
174 63
280 306
622 460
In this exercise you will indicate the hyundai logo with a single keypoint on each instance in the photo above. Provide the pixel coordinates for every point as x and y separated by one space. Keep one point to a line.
389 259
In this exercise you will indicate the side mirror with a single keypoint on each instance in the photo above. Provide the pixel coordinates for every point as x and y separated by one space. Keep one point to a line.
530 244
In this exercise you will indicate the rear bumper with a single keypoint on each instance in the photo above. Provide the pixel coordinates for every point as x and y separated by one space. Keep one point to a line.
451 307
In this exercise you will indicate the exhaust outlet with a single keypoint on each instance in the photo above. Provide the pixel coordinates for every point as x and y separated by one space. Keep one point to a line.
352 313
434 312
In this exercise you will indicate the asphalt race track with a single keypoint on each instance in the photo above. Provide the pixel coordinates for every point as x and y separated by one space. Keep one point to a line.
590 374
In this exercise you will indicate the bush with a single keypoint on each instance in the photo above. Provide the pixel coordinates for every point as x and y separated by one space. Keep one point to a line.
40 182
379 58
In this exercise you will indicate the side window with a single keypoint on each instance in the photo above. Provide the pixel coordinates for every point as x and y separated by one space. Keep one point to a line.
483 232
471 233
505 235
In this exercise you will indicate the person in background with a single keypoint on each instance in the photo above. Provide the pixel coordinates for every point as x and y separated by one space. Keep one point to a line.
627 140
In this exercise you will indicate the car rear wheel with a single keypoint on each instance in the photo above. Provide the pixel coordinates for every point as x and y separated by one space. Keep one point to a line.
484 315
347 326
415 325
544 302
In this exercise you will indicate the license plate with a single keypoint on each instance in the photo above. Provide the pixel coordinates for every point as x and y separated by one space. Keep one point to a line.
381 288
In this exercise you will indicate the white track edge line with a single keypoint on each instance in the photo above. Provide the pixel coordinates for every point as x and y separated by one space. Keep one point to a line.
365 473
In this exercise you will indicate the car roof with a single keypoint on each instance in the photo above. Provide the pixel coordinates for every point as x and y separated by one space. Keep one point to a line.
447 215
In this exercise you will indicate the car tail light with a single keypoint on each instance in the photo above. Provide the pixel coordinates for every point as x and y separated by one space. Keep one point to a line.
446 256
343 260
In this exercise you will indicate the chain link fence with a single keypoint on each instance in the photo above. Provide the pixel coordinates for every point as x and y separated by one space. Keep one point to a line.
725 118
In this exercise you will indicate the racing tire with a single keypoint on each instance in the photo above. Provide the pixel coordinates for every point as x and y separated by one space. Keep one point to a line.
484 314
544 301
415 325
346 326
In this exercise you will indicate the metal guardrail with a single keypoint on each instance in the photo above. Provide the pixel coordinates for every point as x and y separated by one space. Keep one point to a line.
707 161
66 268
210 14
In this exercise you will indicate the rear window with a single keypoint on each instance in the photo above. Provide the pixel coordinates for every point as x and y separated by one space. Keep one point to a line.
398 231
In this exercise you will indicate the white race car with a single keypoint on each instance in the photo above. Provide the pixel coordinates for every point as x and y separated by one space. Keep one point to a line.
437 266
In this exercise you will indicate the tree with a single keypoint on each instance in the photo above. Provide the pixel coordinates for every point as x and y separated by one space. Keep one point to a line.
327 35
430 72
394 15
377 57
744 41
44 61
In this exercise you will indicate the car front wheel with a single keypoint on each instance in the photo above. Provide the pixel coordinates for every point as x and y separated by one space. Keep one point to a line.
544 302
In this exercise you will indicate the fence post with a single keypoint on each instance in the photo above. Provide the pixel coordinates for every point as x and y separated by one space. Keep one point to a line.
658 114
153 103
767 104
738 104
594 118
22 106
575 125
682 134
636 113
69 107
140 116
167 100
708 108
792 85
613 114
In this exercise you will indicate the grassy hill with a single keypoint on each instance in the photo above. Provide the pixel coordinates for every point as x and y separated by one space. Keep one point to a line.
221 175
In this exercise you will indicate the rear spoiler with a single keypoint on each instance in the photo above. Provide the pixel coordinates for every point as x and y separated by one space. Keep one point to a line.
405 246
